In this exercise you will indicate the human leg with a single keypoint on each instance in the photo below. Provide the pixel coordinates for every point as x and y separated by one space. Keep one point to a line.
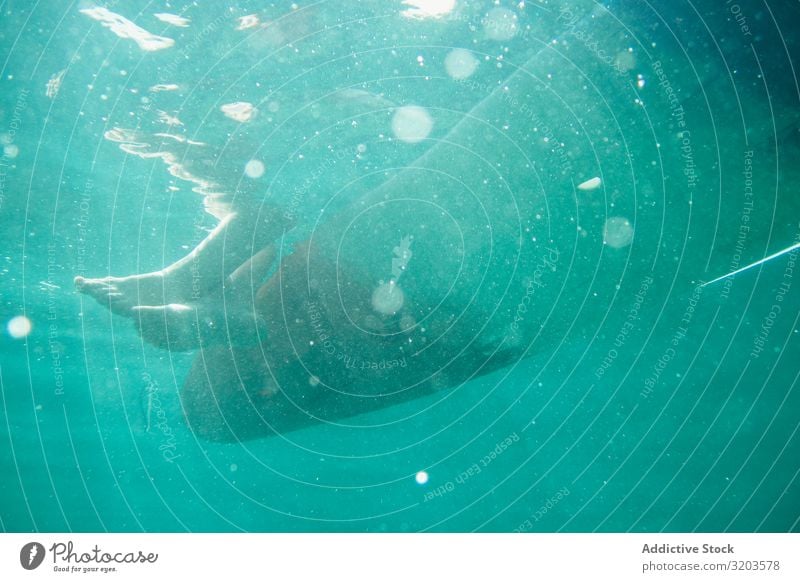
203 271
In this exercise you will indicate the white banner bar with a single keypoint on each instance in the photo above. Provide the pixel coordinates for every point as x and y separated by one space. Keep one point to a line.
406 557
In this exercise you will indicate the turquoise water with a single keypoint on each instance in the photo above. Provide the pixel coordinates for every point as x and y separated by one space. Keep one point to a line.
592 384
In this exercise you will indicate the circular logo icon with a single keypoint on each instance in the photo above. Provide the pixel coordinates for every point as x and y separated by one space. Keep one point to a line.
31 555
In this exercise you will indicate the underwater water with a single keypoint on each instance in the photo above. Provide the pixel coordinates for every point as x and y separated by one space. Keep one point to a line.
565 175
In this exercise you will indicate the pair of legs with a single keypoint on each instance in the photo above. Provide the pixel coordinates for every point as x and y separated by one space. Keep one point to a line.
182 304
278 352
354 319
317 337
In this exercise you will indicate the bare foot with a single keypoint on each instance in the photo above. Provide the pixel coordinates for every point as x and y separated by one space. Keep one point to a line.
182 317
121 294
181 283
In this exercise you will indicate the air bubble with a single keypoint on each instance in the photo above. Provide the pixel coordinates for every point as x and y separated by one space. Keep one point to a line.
19 327
411 124
460 64
618 232
388 299
254 169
